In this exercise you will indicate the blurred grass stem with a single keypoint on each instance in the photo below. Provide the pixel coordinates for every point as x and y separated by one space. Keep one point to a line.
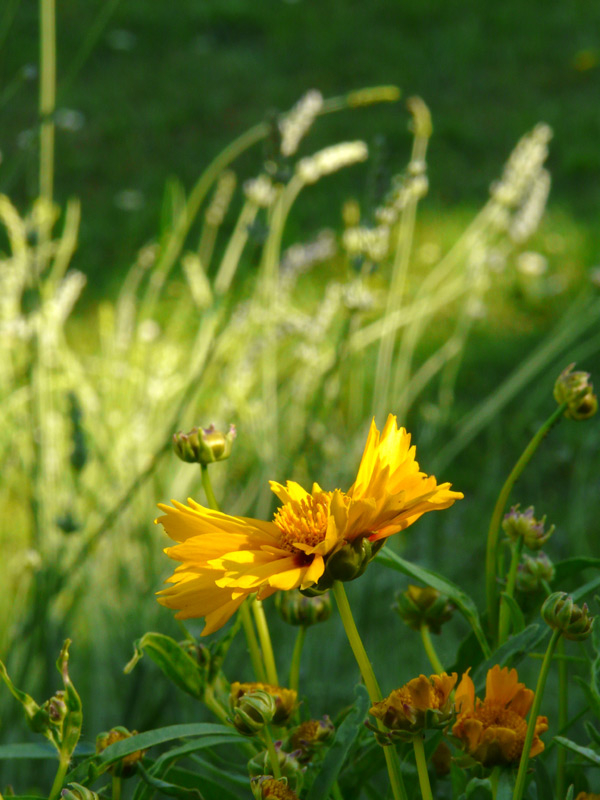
265 642
563 716
252 642
47 98
296 656
516 550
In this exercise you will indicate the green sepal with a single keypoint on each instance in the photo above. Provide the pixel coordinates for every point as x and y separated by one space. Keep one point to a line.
172 659
71 726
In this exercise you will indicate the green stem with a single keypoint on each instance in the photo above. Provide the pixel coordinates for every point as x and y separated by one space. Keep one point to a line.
422 767
494 778
430 649
116 788
208 490
563 712
272 752
296 655
47 97
516 550
252 642
336 792
537 700
59 779
491 556
211 702
366 670
265 642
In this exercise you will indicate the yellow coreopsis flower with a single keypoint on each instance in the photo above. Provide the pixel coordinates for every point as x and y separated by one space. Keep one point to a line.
418 704
224 559
493 730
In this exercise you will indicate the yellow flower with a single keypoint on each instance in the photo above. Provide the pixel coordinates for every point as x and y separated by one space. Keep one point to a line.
587 796
493 730
418 704
225 559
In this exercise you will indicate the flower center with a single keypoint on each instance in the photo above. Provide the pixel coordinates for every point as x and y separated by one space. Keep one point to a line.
303 521
495 716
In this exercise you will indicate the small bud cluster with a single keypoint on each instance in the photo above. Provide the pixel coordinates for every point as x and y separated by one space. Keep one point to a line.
204 445
331 159
522 167
373 243
525 222
533 572
267 788
576 389
296 609
560 613
127 766
522 524
294 126
423 606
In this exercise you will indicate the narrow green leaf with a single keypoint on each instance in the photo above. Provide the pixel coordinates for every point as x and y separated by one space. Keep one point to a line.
586 589
513 650
170 789
460 599
570 792
592 732
516 615
571 567
10 751
345 736
30 707
591 694
586 752
209 788
178 666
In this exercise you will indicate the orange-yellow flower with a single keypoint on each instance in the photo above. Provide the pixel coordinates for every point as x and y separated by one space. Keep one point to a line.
419 702
224 559
493 730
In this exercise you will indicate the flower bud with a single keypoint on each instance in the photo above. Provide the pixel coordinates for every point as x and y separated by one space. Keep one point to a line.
204 445
297 609
126 767
75 791
419 606
56 707
267 788
576 389
289 766
517 524
560 613
250 712
284 699
533 571
310 736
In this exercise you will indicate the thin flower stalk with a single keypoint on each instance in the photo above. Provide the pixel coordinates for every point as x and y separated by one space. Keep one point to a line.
491 556
516 550
273 758
430 649
265 641
296 657
366 670
422 767
537 700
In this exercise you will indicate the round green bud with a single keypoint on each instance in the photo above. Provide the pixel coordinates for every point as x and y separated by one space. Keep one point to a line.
560 613
522 524
291 769
75 791
127 766
419 606
204 445
533 571
250 712
576 389
298 609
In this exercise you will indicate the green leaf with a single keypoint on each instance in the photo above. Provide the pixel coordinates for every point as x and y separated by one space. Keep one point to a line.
591 695
513 650
345 736
570 792
30 707
212 734
170 789
586 752
571 567
583 591
460 599
592 732
172 659
10 751
209 788
516 615
479 789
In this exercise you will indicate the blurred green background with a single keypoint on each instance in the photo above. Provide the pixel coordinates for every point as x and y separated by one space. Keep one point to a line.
149 91
163 91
